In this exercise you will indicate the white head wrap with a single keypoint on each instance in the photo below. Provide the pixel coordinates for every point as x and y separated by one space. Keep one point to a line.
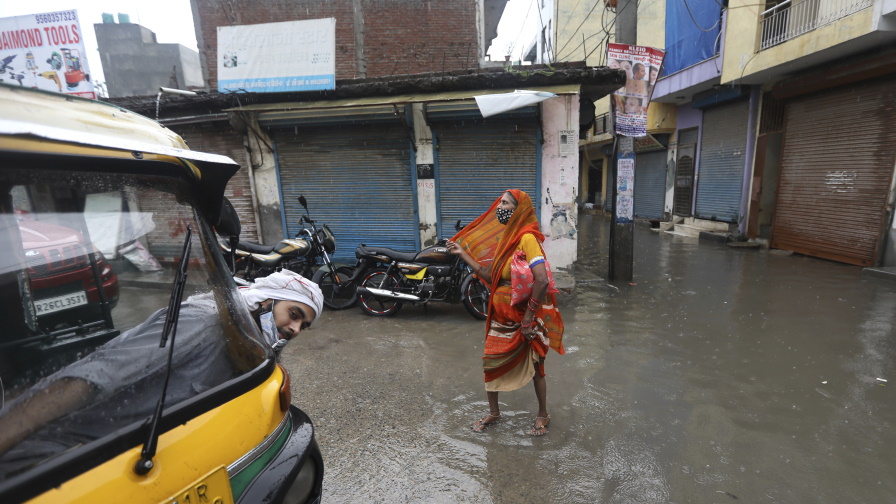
284 285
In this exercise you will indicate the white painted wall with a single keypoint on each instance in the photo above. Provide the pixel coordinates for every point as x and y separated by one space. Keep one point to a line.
559 181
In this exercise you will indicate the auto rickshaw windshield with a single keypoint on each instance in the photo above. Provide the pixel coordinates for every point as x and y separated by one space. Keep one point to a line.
85 280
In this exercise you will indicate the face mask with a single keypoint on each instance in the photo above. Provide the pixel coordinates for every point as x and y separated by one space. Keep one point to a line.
504 215
269 330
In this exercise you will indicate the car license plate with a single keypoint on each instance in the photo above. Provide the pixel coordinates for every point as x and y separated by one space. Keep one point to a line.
59 303
213 488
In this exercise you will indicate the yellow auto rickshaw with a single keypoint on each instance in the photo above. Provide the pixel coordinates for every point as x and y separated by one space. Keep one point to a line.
107 232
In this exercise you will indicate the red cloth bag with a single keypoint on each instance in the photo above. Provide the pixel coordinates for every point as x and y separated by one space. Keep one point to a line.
522 279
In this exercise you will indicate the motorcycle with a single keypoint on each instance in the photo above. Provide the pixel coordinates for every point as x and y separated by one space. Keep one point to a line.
307 254
387 279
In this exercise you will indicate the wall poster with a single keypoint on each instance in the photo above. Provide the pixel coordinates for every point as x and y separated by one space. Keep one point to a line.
642 67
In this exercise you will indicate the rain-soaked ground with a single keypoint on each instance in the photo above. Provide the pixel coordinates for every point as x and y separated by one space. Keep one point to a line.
719 376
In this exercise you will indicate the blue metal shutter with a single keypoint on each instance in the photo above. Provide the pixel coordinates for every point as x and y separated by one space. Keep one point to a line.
723 152
476 160
357 180
650 184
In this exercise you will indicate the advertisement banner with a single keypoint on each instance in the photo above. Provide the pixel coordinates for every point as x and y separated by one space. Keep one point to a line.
277 57
45 51
642 66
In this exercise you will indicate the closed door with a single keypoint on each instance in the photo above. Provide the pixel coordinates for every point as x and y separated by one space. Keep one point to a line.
684 173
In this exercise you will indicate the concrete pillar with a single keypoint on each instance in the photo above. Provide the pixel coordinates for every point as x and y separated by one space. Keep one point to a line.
426 184
264 169
559 181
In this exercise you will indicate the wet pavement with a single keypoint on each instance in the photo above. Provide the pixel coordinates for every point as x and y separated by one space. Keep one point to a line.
719 375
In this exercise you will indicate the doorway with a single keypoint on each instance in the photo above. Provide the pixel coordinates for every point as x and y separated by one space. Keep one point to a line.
684 172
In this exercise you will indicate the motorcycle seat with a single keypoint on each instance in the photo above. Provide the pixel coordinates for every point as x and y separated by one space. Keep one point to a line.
255 248
394 254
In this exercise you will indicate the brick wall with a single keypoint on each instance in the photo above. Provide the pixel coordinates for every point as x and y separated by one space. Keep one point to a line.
383 38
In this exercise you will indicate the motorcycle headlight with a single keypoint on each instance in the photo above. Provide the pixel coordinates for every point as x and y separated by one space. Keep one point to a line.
327 238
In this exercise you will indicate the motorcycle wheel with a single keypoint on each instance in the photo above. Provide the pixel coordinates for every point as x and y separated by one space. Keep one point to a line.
346 297
474 295
372 305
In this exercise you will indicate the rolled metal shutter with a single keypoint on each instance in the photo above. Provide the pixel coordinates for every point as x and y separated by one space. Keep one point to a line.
836 172
219 138
650 184
477 160
357 180
723 152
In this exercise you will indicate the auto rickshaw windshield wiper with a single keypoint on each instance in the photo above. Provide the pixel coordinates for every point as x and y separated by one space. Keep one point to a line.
145 464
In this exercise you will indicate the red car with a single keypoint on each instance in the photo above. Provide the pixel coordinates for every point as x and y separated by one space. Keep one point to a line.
59 266
69 312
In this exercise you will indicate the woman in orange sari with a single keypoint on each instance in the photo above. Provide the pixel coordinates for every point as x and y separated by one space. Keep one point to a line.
517 335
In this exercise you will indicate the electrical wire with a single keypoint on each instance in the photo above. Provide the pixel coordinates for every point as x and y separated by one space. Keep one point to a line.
572 50
574 7
711 28
522 27
605 28
573 34
607 39
603 31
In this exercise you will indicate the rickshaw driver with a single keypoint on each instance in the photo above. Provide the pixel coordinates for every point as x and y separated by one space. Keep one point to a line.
282 304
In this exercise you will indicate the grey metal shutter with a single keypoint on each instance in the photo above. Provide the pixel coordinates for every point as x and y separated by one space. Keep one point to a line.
219 138
476 160
722 156
839 152
650 184
357 180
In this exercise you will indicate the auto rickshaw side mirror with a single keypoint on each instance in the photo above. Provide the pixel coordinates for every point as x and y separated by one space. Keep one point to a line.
229 223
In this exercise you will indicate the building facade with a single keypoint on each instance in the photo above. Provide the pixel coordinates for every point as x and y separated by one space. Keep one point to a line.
398 153
773 120
135 64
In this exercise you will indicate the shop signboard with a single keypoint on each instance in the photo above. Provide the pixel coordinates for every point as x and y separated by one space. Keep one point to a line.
45 51
277 57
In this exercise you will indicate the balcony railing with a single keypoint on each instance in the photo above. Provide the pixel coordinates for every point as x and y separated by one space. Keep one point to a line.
601 124
791 18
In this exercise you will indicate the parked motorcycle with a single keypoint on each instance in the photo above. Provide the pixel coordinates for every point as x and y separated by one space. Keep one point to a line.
388 278
307 254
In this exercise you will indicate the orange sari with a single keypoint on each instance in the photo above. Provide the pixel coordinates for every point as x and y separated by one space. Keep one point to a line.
507 353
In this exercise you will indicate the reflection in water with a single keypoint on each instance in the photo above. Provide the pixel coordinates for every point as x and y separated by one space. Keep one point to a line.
720 375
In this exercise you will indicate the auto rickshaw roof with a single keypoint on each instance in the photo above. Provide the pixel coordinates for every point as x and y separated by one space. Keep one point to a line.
66 120
82 121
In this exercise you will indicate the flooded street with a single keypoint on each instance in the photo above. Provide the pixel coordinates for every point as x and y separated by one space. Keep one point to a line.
721 375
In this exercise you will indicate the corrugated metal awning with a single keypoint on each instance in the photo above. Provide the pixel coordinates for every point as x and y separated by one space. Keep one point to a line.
374 106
